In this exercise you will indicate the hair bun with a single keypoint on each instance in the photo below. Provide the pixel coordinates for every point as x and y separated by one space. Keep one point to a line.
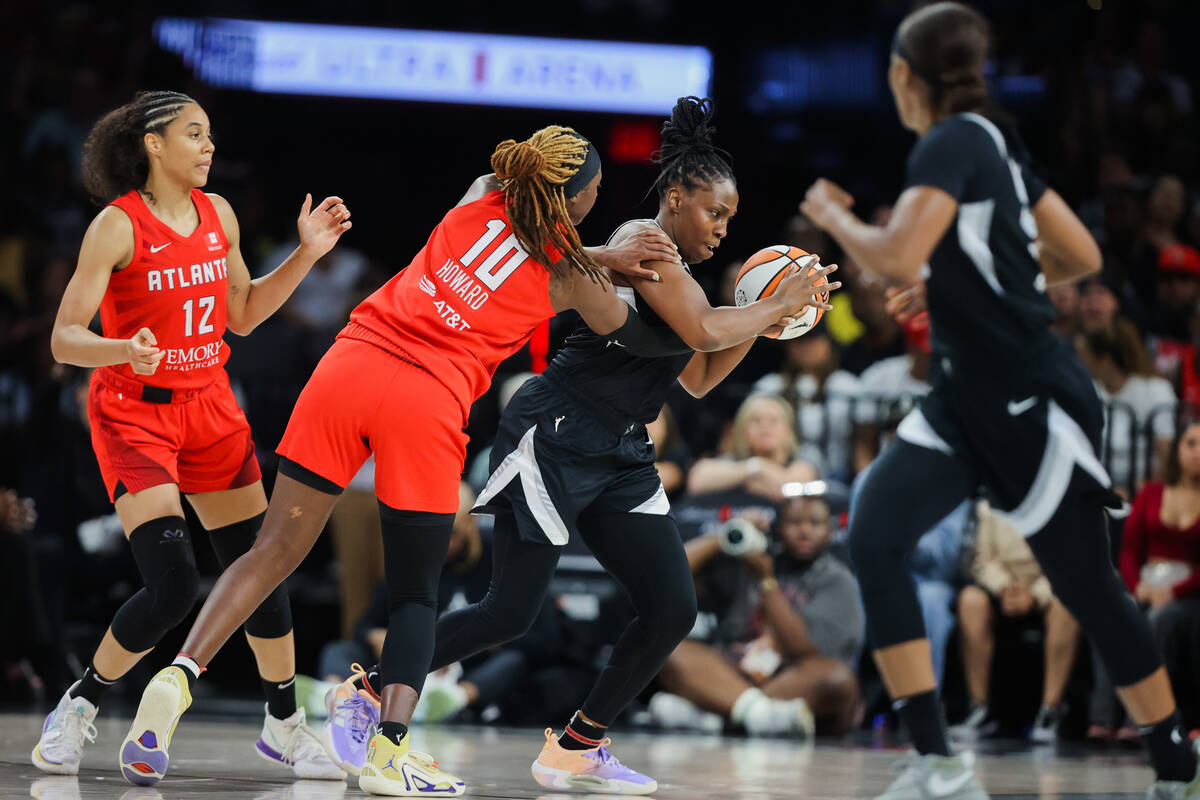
517 160
689 128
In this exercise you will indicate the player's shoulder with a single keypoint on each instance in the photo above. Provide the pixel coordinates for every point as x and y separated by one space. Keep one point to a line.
219 203
113 224
632 227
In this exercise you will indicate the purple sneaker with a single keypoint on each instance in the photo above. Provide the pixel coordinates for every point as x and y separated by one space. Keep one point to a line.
595 770
353 714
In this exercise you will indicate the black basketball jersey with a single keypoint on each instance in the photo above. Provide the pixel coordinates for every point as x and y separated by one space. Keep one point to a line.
603 371
984 286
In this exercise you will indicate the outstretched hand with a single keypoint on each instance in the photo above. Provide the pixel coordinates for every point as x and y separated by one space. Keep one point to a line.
321 227
904 303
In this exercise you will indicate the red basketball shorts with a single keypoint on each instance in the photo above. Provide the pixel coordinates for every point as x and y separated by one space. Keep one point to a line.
362 399
201 443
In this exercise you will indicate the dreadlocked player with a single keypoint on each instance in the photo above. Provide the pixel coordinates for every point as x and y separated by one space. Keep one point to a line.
399 382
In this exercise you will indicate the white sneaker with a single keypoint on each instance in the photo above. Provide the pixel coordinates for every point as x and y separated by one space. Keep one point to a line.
293 744
772 717
66 729
934 777
674 712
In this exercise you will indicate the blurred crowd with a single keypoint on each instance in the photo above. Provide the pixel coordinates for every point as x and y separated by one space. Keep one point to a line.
761 473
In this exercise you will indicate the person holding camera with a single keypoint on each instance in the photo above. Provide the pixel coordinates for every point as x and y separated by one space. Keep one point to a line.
788 629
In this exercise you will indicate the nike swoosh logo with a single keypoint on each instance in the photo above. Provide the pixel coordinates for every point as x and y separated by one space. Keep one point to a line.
154 249
286 685
942 787
1016 409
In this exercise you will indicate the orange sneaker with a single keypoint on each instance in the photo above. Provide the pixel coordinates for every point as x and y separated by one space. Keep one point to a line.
595 770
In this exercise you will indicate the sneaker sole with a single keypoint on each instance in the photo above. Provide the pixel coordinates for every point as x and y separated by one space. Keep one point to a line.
144 758
379 785
49 766
561 779
331 751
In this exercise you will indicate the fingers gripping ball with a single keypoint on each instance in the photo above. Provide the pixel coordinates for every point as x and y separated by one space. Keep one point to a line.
762 273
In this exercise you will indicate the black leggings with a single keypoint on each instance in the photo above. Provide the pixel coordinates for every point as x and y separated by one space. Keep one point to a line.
414 550
643 552
910 488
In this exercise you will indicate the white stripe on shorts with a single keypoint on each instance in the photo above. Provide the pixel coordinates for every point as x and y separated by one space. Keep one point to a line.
1066 446
522 462
657 503
915 429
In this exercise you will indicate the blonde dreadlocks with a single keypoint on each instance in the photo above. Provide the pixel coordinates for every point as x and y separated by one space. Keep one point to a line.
532 174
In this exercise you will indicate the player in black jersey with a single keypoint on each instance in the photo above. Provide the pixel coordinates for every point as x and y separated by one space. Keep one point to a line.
1011 409
572 458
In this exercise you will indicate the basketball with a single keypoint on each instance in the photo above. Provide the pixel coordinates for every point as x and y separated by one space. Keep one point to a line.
760 276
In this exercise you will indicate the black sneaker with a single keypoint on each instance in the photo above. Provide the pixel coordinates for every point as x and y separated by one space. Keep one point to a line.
979 724
1045 725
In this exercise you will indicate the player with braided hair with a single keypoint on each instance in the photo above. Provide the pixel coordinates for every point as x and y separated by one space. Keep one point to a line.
162 264
572 458
399 382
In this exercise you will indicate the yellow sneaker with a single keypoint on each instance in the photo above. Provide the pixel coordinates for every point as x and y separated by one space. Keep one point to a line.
596 770
394 770
143 755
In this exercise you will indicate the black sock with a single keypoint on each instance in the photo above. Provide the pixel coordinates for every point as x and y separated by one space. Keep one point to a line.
925 722
91 686
369 680
1171 751
581 734
281 697
393 731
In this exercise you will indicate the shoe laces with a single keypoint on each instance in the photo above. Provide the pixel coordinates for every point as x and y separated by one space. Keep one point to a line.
303 745
425 760
76 727
356 715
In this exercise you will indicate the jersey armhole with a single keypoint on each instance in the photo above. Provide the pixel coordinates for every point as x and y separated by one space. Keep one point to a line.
137 236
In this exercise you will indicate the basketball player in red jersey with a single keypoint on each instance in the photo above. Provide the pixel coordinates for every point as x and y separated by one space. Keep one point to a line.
162 264
399 381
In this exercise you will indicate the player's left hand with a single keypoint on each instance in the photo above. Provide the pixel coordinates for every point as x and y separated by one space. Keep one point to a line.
628 256
1159 596
321 227
821 199
906 303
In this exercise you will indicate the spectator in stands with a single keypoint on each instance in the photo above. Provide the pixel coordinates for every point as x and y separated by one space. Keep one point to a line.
888 390
1009 588
1066 300
1178 292
761 455
1160 561
25 627
1098 303
789 626
1138 401
882 337
672 458
822 395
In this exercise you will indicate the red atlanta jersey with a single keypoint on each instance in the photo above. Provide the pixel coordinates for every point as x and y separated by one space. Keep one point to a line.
176 286
470 299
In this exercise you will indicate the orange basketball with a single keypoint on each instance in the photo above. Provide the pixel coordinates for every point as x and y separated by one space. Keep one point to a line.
761 275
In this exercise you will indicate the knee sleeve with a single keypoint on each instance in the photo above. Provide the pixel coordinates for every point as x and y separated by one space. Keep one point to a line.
273 618
162 549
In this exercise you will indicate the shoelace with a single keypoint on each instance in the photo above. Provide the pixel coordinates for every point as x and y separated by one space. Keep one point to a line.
77 725
303 744
361 719
427 761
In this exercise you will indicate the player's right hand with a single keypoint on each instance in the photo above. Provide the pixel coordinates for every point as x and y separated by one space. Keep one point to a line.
143 353
906 303
799 292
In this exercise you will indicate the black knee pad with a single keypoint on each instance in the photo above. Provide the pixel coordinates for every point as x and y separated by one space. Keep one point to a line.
414 550
273 618
162 549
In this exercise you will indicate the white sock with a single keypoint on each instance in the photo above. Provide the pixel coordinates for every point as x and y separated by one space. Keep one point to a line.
746 700
187 663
